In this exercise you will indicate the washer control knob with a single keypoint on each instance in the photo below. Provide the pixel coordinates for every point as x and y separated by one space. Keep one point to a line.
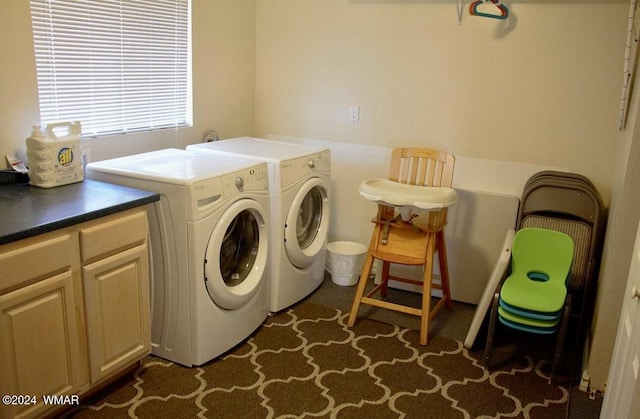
311 163
239 182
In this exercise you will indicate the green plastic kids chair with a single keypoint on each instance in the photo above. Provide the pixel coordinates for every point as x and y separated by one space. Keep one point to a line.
534 298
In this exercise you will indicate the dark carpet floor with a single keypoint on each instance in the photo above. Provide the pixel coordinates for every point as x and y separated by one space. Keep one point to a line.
305 362
454 324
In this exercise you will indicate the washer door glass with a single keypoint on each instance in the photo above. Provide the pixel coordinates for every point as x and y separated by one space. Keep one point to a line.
239 249
307 223
236 255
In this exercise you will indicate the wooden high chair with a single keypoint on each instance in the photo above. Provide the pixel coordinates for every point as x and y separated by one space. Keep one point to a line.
413 242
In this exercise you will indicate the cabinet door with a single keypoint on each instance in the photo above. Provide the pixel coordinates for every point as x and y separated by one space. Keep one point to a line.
40 350
116 292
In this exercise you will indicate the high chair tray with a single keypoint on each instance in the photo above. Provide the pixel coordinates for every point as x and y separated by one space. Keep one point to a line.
388 192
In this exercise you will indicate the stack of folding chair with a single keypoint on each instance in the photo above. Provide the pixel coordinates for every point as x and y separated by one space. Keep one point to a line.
569 203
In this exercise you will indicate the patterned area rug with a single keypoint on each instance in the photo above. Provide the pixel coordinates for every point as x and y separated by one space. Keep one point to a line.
305 362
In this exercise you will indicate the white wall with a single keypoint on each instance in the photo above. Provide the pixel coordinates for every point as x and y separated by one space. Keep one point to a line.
18 87
542 87
624 213
223 80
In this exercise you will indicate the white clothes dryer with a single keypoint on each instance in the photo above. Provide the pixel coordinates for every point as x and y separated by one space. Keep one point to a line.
299 179
209 248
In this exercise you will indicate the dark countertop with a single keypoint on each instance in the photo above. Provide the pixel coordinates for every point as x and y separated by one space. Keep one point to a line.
27 211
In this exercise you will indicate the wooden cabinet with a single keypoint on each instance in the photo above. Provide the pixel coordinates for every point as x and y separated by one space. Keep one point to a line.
116 292
42 349
74 308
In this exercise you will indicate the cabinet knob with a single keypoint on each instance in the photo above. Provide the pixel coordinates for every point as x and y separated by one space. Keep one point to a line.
635 293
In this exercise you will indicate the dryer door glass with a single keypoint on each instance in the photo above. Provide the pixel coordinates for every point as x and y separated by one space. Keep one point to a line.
307 223
309 217
239 248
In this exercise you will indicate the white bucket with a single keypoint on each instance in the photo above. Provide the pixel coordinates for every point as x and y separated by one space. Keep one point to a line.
344 261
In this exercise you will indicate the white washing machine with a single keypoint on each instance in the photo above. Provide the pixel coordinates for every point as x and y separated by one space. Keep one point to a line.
299 179
209 241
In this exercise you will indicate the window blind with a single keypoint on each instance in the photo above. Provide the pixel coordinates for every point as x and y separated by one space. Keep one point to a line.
117 66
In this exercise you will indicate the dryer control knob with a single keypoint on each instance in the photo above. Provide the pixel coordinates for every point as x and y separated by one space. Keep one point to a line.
239 182
312 163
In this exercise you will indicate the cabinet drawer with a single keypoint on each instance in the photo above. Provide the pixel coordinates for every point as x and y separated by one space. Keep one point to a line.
113 234
35 258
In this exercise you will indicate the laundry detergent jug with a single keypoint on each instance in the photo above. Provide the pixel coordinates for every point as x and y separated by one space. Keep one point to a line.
55 156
